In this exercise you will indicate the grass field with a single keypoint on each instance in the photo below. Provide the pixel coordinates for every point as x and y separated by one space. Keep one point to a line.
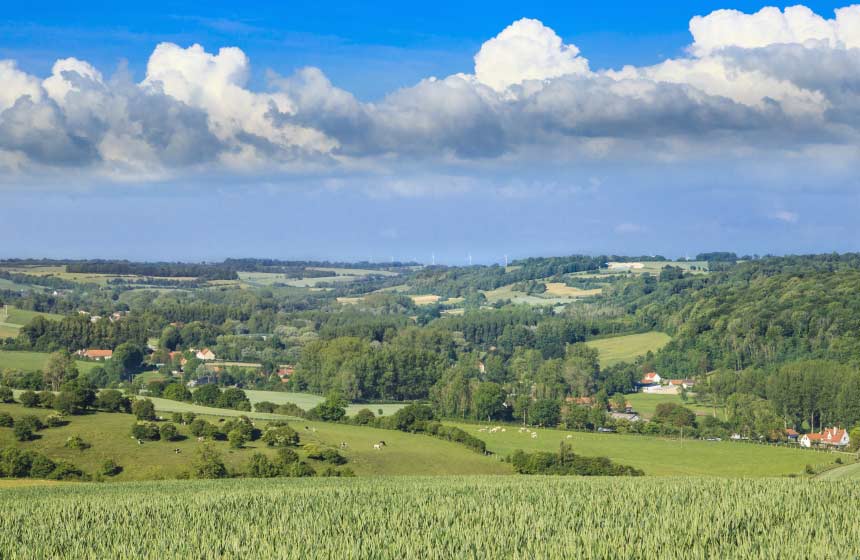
847 472
646 404
627 348
34 361
109 435
663 456
432 518
12 319
308 401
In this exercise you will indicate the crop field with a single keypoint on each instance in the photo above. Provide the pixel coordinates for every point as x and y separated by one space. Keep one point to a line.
85 278
560 289
109 435
654 267
627 348
34 361
660 456
432 518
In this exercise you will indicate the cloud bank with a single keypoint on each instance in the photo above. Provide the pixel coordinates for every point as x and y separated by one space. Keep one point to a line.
781 83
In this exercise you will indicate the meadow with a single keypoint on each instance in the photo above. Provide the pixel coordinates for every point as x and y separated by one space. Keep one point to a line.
628 347
34 361
645 404
660 456
307 401
12 319
433 518
109 436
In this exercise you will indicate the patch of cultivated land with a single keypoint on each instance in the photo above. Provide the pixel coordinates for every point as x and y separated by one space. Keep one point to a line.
557 293
662 456
110 437
12 319
307 401
560 289
629 347
418 518
425 299
646 404
34 361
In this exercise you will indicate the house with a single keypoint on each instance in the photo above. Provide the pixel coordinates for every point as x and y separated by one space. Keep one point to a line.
792 435
652 378
676 382
581 401
688 384
205 355
205 380
661 389
94 354
835 437
284 373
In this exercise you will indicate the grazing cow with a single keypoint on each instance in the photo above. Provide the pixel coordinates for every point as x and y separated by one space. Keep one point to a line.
177 451
379 445
139 442
201 438
534 435
343 445
569 437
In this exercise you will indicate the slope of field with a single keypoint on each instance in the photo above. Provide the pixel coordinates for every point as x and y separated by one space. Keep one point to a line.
847 472
12 319
109 435
308 401
34 361
627 348
663 456
646 404
420 518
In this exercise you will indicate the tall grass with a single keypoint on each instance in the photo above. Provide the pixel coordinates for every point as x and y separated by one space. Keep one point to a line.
463 517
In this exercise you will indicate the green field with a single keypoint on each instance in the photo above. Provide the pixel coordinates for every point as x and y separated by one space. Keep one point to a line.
109 435
847 472
433 518
307 401
34 361
12 319
646 404
629 347
663 456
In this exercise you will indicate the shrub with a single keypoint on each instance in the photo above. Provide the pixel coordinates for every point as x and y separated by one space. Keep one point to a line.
290 409
168 432
111 400
208 464
29 399
237 438
26 427
66 471
281 436
109 468
265 406
41 467
301 469
143 409
364 417
6 395
6 420
148 431
55 421
188 417
259 466
177 392
76 442
46 399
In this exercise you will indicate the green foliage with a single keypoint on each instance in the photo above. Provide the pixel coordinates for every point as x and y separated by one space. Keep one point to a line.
208 463
6 420
146 431
6 395
280 436
143 409
29 399
565 462
332 409
109 468
111 400
76 442
168 432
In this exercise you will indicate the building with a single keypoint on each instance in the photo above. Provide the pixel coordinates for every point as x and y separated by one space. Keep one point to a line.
284 373
206 355
652 378
629 416
581 401
94 354
688 384
833 437
792 435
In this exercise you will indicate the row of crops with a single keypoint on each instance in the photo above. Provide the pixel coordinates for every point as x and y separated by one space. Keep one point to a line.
469 517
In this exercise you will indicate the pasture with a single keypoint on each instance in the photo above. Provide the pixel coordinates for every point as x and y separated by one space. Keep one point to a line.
307 401
109 435
628 347
433 518
659 456
34 361
12 319
646 404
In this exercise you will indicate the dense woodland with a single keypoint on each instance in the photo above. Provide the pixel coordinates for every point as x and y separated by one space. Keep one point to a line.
774 340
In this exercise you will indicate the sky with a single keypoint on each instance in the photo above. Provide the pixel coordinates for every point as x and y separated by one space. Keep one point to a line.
382 130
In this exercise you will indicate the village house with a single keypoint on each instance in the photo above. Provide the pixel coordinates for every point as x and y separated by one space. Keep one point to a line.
834 437
205 355
688 384
95 354
652 378
792 435
629 416
284 373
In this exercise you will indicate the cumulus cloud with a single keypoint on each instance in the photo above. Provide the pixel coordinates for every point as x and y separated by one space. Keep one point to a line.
777 81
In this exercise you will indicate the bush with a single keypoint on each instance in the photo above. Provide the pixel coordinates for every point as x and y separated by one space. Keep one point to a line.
333 457
168 432
46 399
237 438
177 392
147 431
110 468
66 471
208 464
176 418
55 421
143 409
565 462
29 399
363 417
41 467
301 469
290 409
6 395
6 420
188 417
265 406
76 442
259 466
280 436
26 427
111 400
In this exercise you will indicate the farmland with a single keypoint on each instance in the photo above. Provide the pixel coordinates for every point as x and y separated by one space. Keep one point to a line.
646 404
108 433
34 361
556 293
12 319
416 517
659 456
308 401
627 348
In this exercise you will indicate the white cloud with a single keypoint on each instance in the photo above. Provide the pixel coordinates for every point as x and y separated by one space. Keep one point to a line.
782 83
526 50
786 216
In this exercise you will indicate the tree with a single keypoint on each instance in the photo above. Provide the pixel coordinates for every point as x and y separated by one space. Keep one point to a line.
26 427
127 359
207 395
29 399
177 392
60 367
545 412
6 395
332 409
143 409
618 402
280 436
488 400
208 463
168 432
233 398
111 400
237 438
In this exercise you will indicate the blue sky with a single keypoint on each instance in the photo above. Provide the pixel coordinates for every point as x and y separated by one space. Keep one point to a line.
725 140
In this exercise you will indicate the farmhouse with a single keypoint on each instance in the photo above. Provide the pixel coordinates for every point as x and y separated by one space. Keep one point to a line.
652 378
285 372
205 355
834 437
94 354
792 435
629 416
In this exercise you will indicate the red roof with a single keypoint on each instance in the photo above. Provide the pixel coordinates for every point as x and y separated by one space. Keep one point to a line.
832 435
791 432
92 353
650 378
676 382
